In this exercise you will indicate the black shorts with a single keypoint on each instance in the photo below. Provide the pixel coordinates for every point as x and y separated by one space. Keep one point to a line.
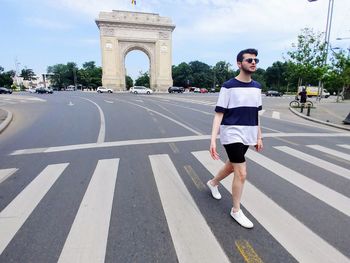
236 151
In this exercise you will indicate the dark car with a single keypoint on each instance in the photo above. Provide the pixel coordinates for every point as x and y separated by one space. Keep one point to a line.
43 90
176 89
273 93
5 90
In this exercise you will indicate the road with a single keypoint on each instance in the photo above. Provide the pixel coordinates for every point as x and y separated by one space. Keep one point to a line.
88 177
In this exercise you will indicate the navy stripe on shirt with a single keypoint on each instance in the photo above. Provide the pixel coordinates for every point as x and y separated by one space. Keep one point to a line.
243 116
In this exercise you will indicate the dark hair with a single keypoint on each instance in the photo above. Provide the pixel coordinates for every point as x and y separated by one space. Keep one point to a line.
246 51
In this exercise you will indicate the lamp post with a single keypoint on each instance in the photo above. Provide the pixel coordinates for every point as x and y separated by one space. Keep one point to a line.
326 40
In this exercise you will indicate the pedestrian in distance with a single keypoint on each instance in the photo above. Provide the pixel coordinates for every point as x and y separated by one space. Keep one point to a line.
236 118
302 95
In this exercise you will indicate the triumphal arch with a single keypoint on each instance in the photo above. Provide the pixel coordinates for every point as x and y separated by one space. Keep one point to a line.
124 31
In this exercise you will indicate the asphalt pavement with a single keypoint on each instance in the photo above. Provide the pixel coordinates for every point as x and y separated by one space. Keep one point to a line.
327 111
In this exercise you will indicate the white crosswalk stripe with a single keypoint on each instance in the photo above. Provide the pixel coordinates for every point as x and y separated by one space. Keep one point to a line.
87 239
285 228
191 235
276 115
346 146
17 212
316 161
6 173
323 193
331 152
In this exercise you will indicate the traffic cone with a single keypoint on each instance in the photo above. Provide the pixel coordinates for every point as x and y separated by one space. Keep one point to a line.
347 119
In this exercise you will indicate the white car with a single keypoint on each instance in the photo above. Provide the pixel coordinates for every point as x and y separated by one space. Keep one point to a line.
32 90
103 89
141 90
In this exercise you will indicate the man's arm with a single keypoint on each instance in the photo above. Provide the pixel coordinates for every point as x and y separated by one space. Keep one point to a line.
259 144
214 132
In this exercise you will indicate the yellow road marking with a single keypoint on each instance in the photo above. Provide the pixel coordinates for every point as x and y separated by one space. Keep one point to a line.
247 251
195 178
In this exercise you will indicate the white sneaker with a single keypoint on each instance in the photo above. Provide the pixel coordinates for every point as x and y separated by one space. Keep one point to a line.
214 190
241 219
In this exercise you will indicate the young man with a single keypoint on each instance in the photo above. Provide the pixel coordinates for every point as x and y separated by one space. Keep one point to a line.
236 116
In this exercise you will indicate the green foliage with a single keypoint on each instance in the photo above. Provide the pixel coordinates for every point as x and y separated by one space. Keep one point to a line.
27 74
182 75
143 80
307 59
6 77
129 82
62 75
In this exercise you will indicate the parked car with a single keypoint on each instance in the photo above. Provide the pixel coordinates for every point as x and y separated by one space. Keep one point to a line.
203 90
197 90
4 90
104 90
176 89
273 93
141 90
43 90
212 90
32 90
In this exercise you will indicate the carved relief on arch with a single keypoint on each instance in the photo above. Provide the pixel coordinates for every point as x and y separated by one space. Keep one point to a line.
107 31
163 35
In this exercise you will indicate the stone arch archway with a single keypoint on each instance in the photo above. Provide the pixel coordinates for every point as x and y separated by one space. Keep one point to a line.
147 50
122 32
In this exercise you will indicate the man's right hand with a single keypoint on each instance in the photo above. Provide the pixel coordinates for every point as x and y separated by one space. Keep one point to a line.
214 154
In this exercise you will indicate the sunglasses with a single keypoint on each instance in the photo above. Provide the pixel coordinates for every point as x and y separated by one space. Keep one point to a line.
250 60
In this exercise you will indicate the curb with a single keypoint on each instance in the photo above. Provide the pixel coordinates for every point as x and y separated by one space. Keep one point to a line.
7 121
318 121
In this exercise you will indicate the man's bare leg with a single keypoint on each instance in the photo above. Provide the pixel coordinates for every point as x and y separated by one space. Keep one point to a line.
225 171
240 171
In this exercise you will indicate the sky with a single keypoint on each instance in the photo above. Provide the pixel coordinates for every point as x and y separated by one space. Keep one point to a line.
35 34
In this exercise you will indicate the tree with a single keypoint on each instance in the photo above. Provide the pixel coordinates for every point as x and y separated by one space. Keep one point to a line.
222 73
129 82
143 80
6 78
202 74
27 74
308 57
339 74
90 76
182 75
275 75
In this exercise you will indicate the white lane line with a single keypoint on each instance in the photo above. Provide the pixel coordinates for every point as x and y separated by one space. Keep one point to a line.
192 237
17 212
346 146
335 153
338 170
6 173
321 192
108 101
261 112
303 244
101 135
70 104
87 239
161 140
276 115
167 117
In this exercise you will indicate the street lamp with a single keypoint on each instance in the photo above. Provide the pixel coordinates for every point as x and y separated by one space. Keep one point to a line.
326 39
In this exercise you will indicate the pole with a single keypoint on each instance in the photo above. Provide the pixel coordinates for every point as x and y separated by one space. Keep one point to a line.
326 41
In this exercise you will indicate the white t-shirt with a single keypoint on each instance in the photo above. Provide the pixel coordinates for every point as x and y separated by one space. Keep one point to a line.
240 102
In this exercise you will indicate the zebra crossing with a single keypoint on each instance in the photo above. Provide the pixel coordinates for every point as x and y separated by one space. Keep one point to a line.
190 232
